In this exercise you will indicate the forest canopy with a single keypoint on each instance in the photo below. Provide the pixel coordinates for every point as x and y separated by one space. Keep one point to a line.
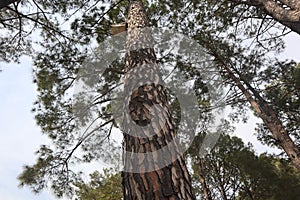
240 39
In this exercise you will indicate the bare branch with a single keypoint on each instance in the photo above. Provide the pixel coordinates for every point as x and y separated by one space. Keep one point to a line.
49 28
87 136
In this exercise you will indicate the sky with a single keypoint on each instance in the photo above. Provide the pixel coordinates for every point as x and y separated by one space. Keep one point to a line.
20 137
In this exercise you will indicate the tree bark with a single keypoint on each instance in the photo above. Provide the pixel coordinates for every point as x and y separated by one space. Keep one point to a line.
147 125
293 4
287 17
4 3
279 12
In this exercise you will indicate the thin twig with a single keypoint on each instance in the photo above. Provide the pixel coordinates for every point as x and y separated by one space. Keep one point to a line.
85 137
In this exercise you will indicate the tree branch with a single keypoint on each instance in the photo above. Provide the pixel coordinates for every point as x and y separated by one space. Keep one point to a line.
293 4
280 13
287 17
87 136
49 28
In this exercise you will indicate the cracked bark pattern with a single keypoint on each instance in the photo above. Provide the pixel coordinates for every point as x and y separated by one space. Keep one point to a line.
279 12
293 4
147 123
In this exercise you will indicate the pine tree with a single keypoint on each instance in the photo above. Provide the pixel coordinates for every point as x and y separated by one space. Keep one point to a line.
143 177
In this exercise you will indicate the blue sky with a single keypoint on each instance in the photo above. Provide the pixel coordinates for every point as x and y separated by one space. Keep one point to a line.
20 137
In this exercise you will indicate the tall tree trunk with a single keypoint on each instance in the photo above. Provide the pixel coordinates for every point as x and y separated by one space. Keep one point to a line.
206 190
269 117
266 113
147 174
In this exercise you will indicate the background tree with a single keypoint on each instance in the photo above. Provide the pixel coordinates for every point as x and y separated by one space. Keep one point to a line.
232 170
282 90
102 186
